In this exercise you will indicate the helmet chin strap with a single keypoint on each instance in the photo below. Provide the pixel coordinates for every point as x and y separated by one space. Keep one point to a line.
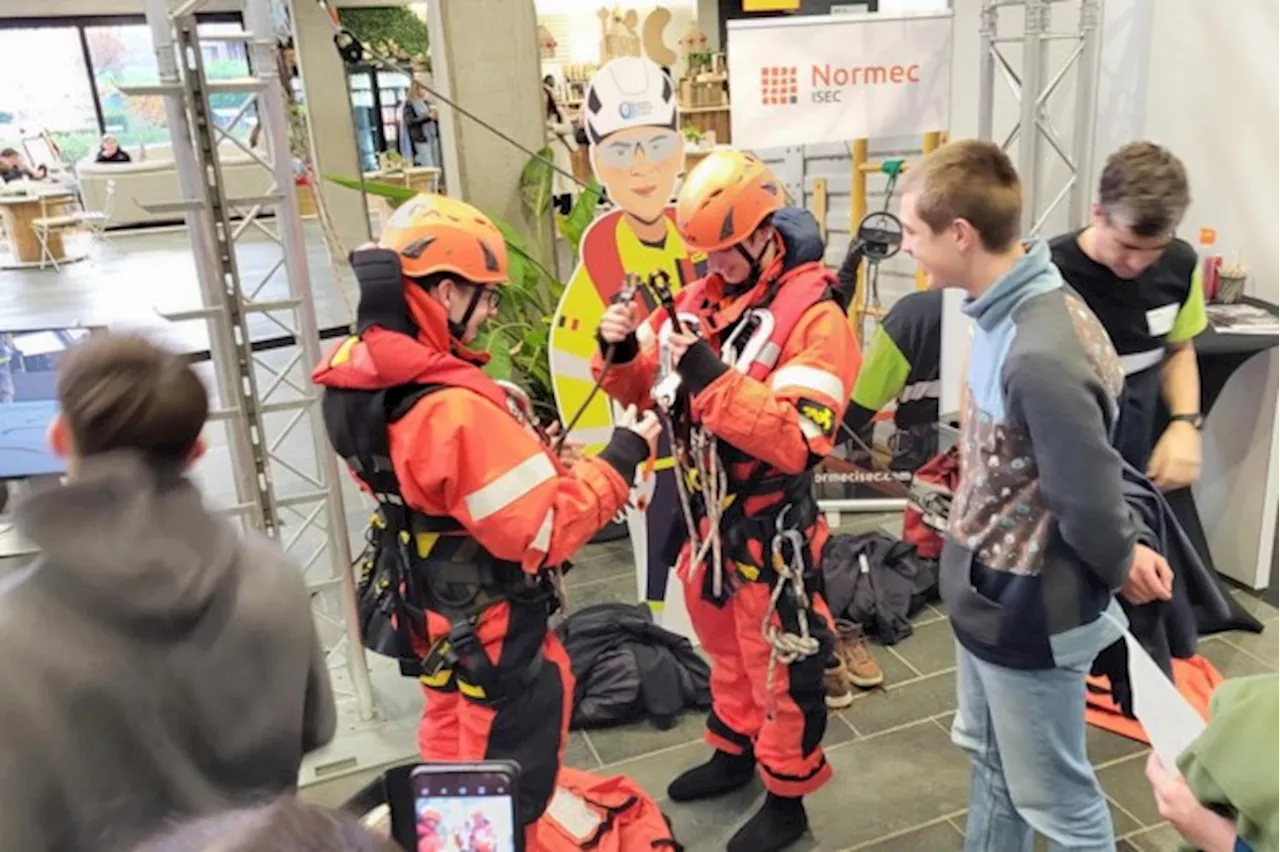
756 268
458 329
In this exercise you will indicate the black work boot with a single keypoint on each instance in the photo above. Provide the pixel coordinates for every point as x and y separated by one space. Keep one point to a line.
779 823
723 773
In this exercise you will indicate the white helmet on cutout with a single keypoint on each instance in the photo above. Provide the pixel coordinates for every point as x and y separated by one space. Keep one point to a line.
629 91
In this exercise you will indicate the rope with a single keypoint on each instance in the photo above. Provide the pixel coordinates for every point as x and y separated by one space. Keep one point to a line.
714 485
785 647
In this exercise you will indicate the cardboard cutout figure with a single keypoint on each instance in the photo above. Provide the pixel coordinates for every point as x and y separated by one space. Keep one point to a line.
637 154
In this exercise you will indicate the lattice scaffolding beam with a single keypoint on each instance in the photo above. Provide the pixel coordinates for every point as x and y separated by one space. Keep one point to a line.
1033 85
285 473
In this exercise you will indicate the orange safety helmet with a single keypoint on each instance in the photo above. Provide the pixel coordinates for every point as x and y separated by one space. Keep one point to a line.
724 199
435 233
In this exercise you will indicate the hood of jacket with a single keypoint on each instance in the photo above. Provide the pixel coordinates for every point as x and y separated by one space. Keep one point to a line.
380 358
1034 274
130 543
801 238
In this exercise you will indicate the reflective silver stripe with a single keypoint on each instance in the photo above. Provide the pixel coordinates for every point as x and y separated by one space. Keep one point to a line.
1139 361
921 390
769 354
810 379
542 541
510 487
808 428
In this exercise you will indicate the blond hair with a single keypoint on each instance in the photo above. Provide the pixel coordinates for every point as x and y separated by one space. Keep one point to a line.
972 180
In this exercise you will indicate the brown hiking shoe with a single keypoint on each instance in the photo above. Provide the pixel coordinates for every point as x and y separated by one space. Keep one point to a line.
851 648
836 680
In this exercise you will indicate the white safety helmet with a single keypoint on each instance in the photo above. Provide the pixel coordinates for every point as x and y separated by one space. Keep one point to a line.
629 91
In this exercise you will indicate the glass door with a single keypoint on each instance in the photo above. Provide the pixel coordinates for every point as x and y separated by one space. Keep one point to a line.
393 91
365 115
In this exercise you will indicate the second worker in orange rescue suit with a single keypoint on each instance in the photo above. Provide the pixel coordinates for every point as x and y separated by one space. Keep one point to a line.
773 402
481 505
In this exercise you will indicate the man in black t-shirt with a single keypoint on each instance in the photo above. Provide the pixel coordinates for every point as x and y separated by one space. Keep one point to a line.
1143 283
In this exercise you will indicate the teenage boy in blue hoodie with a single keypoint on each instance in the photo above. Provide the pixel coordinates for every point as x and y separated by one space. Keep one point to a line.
1039 537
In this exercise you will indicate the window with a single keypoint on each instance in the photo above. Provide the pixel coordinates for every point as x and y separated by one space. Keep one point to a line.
123 55
228 60
46 88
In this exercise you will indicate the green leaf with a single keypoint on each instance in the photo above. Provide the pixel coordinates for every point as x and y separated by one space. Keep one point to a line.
498 347
573 226
535 183
394 193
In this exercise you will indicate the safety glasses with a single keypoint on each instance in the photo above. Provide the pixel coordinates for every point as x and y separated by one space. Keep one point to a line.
658 147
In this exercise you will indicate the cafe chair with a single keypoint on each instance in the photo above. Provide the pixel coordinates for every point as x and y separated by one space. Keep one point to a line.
96 221
47 225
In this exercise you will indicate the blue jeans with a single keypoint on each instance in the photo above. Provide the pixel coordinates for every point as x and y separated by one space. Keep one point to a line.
1024 731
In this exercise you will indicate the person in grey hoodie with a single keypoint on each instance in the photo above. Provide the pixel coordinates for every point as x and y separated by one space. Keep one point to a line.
1039 535
158 665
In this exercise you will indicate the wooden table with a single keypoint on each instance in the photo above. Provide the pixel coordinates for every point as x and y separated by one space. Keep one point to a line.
18 212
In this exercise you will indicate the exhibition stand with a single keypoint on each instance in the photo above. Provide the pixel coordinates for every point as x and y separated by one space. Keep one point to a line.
1230 513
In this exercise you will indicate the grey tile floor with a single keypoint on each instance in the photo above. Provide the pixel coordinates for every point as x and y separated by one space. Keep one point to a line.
899 784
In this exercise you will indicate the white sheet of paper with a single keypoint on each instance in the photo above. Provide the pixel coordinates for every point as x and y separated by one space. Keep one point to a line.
1170 720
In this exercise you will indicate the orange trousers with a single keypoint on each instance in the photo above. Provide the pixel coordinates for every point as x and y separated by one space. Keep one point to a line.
531 728
783 724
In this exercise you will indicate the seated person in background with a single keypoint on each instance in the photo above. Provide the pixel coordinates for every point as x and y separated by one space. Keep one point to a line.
12 168
111 152
1143 284
1224 794
285 825
158 664
904 362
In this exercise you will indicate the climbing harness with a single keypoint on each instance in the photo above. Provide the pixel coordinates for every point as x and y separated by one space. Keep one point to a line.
785 647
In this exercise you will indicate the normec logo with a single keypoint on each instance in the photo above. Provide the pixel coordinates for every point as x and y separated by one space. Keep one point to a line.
778 85
829 82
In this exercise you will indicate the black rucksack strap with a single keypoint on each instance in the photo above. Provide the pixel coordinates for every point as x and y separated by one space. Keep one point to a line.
381 282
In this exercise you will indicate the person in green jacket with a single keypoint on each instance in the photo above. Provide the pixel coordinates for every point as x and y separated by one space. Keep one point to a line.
1225 796
903 363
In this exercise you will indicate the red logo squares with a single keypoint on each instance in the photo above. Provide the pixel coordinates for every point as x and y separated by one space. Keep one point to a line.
778 85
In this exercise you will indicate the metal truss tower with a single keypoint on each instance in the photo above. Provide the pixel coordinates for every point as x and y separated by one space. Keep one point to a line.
1033 87
286 476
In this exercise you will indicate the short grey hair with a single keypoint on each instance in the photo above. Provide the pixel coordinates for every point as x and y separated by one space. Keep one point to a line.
1144 188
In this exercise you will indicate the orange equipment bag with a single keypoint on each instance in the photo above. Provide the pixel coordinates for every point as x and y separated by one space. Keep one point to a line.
1195 678
606 814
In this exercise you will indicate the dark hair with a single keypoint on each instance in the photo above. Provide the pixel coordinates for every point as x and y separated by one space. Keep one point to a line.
123 392
285 825
1144 188
8 152
973 180
548 80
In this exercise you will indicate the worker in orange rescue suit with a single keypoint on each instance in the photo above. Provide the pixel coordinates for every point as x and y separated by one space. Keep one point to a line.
483 508
754 399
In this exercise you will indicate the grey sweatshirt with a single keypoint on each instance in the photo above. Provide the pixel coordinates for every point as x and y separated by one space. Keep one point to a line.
156 665
1039 534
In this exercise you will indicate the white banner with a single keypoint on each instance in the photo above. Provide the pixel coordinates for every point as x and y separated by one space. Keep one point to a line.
818 78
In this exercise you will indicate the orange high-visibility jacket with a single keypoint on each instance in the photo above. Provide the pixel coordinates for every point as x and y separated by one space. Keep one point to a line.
786 417
460 453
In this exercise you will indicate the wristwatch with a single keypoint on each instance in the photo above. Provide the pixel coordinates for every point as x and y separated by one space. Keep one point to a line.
1196 420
